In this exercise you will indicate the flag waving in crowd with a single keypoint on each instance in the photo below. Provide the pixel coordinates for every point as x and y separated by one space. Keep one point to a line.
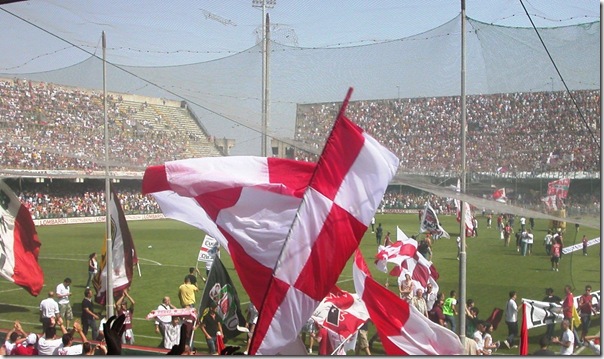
315 220
430 223
499 195
558 188
19 243
402 329
123 254
220 290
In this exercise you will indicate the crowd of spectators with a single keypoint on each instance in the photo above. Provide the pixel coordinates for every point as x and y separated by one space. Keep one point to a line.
514 131
46 126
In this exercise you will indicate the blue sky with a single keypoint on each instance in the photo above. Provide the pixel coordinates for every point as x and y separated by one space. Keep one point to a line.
157 33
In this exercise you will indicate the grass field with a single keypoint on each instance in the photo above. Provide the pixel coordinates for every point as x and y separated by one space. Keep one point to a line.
166 249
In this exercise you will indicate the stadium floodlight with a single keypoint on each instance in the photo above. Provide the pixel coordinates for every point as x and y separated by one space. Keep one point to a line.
264 4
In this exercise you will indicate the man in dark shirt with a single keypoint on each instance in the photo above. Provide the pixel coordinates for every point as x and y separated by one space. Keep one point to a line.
192 275
210 325
549 322
544 351
89 318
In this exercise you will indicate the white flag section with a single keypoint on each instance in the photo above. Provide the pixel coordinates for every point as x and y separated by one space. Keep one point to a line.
343 314
402 329
208 250
430 223
123 251
252 204
579 246
540 313
19 243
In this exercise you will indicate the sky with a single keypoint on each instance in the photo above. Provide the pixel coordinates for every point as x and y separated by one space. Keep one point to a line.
44 35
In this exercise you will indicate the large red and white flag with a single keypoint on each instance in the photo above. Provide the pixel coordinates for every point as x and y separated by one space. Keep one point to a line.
341 312
124 256
550 202
402 329
558 188
19 243
430 223
290 226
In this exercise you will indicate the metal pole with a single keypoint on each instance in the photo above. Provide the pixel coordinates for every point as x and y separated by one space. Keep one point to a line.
267 34
462 252
109 242
263 124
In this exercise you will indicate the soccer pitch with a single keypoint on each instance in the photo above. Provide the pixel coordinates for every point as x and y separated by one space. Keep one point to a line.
167 248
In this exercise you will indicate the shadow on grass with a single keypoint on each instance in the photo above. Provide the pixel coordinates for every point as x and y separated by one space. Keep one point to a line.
8 308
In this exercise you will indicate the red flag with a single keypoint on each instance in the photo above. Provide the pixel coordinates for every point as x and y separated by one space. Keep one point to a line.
402 329
249 204
19 243
123 252
499 195
524 337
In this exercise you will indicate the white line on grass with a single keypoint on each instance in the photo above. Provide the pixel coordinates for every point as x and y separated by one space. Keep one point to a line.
149 260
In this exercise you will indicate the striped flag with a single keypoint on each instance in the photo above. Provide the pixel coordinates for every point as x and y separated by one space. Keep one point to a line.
430 223
19 243
290 226
123 252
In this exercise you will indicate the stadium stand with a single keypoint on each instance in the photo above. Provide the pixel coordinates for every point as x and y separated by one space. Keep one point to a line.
48 126
506 132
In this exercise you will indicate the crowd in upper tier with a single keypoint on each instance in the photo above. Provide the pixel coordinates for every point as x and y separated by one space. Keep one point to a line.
532 131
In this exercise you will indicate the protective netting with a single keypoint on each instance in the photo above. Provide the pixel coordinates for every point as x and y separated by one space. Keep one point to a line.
521 120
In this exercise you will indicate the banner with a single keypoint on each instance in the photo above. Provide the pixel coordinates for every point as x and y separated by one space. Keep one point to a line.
208 250
579 246
180 312
220 290
431 224
542 313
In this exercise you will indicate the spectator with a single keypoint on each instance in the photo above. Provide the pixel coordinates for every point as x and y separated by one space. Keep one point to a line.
49 308
211 327
550 298
543 347
63 292
162 321
511 319
121 307
586 309
89 317
92 268
568 339
68 348
450 310
172 333
49 344
186 294
27 347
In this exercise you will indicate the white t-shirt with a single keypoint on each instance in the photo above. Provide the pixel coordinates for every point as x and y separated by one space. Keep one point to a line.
63 290
9 347
511 311
49 346
567 336
529 238
479 340
72 350
49 308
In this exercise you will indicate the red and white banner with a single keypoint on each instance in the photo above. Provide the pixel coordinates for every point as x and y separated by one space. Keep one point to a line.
123 254
499 195
551 202
208 250
468 212
19 243
342 313
290 226
558 188
402 329
180 312
403 253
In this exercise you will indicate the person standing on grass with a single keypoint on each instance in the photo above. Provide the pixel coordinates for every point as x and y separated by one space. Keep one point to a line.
568 339
49 308
161 322
186 294
211 327
549 322
548 242
586 309
89 317
121 307
92 268
378 234
450 310
511 319
584 242
63 292
556 251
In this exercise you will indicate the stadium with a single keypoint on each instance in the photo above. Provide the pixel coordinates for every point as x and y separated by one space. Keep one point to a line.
533 112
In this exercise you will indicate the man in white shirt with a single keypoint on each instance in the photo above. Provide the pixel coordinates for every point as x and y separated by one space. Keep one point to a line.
511 319
478 337
67 340
161 322
49 308
49 344
568 339
63 293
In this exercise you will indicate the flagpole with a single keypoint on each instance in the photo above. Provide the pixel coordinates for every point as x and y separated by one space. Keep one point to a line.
462 222
109 244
